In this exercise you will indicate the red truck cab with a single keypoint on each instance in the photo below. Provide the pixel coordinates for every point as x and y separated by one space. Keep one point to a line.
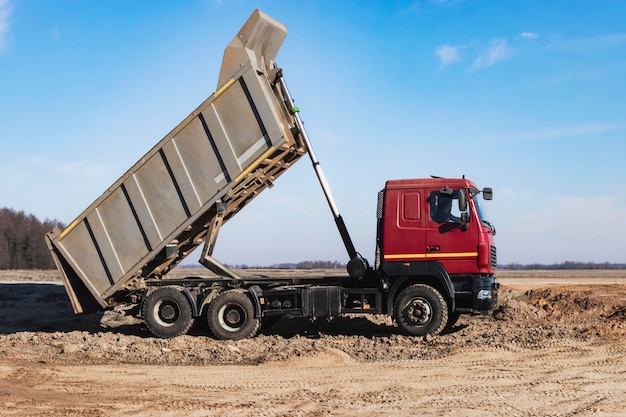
433 231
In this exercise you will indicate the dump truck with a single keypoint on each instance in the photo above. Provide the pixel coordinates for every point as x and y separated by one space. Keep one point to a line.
435 253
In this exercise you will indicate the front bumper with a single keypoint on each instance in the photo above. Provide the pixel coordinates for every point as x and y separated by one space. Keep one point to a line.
485 294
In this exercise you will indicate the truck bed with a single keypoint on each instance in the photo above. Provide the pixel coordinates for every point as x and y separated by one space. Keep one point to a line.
228 150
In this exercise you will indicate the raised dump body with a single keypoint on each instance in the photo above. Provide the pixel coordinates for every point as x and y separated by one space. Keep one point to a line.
228 150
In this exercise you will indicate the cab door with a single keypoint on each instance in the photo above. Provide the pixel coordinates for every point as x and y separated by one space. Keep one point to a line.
403 228
450 238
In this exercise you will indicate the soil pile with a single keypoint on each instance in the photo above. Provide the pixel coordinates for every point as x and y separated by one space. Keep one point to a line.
37 324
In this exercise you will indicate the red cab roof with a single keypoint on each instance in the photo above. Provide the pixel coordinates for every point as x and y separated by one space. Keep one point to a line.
429 182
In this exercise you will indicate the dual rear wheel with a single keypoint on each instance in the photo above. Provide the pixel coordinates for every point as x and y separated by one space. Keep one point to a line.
168 313
231 316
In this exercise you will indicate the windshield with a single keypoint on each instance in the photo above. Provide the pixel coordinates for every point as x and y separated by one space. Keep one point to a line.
481 212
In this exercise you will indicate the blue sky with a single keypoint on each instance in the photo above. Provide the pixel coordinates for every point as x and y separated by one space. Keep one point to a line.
526 97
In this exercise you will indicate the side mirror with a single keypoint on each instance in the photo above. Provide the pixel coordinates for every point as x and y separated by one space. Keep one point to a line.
487 193
465 219
462 200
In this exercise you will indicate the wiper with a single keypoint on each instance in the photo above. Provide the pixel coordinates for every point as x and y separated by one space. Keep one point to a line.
491 226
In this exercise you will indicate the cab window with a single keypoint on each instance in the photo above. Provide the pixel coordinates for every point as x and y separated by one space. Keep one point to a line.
445 208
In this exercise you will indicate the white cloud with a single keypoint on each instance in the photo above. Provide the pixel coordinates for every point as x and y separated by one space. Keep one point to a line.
5 23
528 35
448 54
498 50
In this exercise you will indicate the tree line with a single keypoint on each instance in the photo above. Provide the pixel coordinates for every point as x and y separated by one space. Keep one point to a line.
22 244
288 265
567 265
320 265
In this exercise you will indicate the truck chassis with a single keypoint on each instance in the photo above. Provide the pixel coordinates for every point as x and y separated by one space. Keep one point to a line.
235 309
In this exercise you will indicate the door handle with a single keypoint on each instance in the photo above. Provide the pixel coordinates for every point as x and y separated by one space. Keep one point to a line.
433 249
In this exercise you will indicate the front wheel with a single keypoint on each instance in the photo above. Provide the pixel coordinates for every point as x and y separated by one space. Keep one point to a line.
231 316
167 312
420 310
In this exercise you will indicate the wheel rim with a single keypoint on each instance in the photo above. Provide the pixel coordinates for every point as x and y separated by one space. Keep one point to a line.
166 312
232 317
418 312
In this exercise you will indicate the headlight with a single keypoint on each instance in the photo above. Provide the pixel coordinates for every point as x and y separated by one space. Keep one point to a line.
484 295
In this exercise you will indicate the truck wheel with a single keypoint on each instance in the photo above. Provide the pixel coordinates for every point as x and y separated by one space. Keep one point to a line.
420 310
231 316
167 312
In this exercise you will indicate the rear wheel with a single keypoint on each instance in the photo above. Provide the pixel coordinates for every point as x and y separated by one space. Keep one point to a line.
231 316
420 310
167 312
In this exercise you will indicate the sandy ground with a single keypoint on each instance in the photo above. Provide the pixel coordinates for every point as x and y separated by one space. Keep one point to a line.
555 347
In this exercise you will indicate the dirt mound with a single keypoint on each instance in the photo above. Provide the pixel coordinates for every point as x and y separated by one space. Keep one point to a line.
603 303
36 323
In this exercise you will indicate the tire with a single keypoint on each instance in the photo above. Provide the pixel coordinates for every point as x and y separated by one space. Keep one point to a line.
167 313
420 310
231 316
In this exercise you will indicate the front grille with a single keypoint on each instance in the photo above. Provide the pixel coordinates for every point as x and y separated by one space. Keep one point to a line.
493 257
